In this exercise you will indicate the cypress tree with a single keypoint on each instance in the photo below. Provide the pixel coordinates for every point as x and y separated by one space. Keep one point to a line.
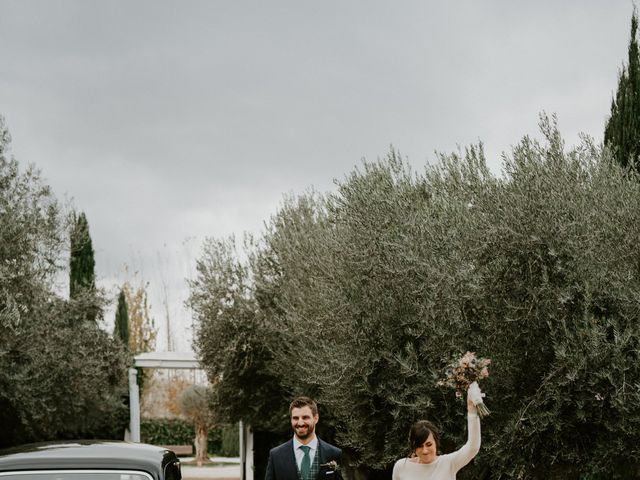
121 329
81 262
622 130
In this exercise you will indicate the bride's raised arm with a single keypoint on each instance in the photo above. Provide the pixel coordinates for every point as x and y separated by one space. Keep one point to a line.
471 448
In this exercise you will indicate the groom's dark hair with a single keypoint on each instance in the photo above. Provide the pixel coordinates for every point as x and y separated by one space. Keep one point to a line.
300 402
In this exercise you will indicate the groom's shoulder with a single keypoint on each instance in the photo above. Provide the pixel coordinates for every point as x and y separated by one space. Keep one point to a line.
283 447
330 449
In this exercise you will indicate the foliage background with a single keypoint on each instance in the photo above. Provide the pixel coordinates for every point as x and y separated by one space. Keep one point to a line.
61 375
360 298
222 440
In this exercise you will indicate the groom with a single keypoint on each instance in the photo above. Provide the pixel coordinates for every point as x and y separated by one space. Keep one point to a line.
305 456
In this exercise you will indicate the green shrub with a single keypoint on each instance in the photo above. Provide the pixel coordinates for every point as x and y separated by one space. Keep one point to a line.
230 441
166 431
222 441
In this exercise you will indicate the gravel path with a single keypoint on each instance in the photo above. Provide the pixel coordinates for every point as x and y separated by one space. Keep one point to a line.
229 471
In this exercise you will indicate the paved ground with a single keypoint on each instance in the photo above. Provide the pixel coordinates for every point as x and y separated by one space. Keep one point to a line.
230 470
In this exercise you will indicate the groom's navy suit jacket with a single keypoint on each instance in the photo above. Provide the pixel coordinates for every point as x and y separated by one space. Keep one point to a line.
282 462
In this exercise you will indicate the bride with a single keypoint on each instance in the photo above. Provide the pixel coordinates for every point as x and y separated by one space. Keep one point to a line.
424 463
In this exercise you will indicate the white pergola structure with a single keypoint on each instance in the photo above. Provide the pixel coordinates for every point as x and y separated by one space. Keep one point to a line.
180 361
171 360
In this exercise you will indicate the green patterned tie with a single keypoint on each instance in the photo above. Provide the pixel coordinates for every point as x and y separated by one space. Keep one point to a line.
305 466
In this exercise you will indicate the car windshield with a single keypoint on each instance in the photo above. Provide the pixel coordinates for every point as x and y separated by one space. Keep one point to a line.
75 475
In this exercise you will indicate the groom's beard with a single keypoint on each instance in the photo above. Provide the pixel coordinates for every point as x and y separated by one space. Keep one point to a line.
304 432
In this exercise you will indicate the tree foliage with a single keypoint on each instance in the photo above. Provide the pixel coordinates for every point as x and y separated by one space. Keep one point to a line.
194 406
142 330
30 235
66 380
361 297
121 327
60 377
82 263
622 129
233 339
159 398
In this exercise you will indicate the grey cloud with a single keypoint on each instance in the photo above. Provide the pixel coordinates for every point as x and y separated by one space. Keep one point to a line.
166 120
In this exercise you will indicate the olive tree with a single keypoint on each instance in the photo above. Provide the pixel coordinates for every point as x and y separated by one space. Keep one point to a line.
60 377
360 298
194 406
233 338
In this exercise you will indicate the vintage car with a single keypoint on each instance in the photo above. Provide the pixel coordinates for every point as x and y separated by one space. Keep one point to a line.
89 460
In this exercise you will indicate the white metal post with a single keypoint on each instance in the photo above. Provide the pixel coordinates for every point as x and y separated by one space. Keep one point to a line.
134 406
242 451
248 452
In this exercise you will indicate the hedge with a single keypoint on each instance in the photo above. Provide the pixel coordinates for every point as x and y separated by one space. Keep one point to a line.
222 441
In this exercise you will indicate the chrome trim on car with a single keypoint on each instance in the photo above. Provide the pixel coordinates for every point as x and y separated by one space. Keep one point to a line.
78 470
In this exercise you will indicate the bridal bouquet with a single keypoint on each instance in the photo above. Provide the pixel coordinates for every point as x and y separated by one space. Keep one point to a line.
463 375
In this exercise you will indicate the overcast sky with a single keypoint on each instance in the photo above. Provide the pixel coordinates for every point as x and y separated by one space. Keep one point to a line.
171 121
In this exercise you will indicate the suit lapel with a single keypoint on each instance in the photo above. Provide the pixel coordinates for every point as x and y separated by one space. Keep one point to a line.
320 453
290 466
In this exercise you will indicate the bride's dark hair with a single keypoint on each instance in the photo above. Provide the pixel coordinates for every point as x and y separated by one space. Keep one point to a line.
419 433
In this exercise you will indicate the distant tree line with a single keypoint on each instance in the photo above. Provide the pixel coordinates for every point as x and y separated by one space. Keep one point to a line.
361 297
